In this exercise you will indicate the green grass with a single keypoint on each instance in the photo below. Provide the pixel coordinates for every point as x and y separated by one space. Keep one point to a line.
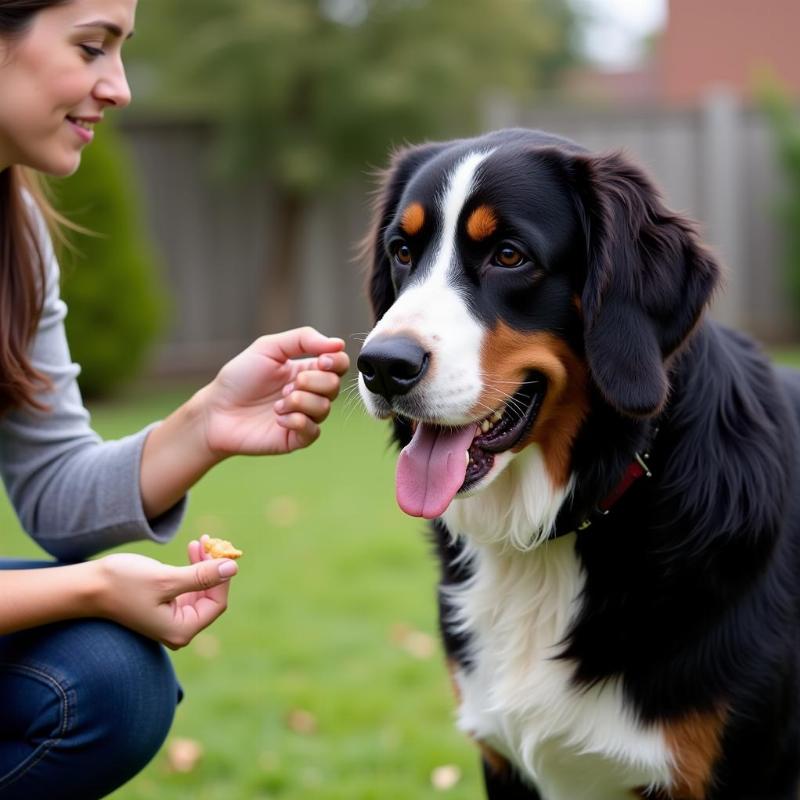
331 568
789 356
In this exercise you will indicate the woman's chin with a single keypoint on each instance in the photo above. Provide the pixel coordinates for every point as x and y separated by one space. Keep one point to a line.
59 165
64 167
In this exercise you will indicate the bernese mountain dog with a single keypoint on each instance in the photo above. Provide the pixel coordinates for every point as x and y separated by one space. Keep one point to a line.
611 478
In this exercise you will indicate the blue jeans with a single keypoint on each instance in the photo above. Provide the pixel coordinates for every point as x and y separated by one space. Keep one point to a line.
84 705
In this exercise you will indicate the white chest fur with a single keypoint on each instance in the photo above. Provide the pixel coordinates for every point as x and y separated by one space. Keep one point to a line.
518 699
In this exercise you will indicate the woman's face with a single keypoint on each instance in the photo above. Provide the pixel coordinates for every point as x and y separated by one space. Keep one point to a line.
58 78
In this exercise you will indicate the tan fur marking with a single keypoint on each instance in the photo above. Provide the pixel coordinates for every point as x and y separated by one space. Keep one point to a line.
413 219
694 741
508 355
482 223
452 667
497 764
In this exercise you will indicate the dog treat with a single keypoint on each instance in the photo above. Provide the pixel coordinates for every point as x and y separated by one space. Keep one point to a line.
221 548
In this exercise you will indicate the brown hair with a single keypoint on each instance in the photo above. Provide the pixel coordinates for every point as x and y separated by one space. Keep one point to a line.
22 264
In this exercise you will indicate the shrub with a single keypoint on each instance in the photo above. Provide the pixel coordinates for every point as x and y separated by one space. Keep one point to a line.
109 277
786 127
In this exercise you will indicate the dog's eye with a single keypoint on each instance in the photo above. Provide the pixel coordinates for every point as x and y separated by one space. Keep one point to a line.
508 256
402 253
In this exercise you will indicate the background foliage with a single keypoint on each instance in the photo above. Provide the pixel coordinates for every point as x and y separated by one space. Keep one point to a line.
109 277
310 93
786 125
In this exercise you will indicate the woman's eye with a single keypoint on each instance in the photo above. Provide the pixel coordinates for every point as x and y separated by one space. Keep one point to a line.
508 256
402 254
92 52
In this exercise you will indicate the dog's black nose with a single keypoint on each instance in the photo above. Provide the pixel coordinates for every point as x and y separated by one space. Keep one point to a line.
392 365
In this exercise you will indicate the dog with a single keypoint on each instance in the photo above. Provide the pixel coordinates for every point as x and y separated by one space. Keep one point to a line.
610 476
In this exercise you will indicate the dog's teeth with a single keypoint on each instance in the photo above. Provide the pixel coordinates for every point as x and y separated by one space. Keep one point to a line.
497 416
485 426
466 456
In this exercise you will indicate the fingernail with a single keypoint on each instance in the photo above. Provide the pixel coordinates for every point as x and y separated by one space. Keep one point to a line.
227 569
288 389
325 362
279 406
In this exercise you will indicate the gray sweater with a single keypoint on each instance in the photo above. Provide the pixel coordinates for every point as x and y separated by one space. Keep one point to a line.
73 493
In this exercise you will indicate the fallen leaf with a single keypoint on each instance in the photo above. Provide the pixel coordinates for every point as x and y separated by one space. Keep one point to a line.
415 643
269 761
445 777
183 755
301 721
206 645
283 511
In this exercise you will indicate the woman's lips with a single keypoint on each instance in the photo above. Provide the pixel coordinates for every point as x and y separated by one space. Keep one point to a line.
85 134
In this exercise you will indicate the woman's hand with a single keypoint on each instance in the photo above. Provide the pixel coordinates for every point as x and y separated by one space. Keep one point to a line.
269 399
166 603
272 398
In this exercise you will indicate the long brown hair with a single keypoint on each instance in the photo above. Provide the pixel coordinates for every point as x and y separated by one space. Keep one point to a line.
22 260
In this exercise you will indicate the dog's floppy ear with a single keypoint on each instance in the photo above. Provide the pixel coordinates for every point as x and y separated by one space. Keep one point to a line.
392 183
648 280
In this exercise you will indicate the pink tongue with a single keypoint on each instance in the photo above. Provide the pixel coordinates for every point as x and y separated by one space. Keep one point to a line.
431 469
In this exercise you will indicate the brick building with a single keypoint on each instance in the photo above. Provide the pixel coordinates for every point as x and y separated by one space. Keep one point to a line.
707 43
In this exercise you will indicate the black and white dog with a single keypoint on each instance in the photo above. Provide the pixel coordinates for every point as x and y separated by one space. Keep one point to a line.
613 481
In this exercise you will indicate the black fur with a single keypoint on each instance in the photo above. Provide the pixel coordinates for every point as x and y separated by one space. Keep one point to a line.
693 581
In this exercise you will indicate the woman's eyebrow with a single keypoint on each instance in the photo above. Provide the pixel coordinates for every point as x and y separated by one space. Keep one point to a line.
113 29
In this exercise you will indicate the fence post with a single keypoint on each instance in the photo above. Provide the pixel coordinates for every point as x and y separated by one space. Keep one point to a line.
721 186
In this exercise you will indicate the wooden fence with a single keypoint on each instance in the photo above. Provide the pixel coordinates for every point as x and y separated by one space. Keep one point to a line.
716 163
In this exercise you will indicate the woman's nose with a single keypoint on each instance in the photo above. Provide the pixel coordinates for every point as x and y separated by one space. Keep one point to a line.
113 89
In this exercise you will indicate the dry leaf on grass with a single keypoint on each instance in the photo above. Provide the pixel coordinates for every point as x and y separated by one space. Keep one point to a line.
283 511
414 642
301 721
206 645
183 755
445 777
269 761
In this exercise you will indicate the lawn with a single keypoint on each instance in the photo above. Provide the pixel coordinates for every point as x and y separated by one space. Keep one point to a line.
325 678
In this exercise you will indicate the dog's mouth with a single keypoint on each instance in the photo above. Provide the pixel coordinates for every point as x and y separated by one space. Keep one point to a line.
442 460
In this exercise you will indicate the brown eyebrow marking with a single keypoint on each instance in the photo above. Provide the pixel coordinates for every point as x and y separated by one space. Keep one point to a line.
413 219
482 223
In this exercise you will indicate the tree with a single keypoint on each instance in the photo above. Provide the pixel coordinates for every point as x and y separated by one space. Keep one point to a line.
311 92
785 123
108 276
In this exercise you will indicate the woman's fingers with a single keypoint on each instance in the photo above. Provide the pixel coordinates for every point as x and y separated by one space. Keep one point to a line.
302 426
324 383
200 576
194 550
314 406
297 343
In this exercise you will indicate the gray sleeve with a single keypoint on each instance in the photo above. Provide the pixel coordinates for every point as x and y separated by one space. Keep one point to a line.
74 494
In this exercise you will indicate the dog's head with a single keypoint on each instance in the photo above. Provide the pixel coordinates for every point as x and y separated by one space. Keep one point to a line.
516 280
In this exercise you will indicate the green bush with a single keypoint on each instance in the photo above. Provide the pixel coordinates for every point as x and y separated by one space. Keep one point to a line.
786 127
109 276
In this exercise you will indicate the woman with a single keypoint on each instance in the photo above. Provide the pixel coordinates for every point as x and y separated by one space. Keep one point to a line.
88 693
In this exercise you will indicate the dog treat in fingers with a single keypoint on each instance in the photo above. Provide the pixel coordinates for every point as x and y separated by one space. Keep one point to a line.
220 548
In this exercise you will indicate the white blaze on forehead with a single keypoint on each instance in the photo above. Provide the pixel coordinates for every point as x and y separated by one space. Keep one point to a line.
436 313
451 203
